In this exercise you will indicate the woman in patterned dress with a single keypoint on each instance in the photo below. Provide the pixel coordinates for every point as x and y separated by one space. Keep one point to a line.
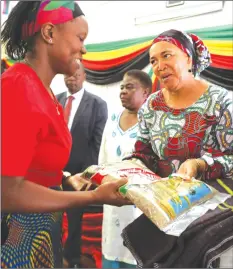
36 142
187 127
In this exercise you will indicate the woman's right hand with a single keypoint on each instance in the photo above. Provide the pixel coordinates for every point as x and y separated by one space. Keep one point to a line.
108 193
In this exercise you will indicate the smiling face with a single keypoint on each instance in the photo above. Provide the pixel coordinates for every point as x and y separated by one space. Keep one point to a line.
68 45
133 94
170 65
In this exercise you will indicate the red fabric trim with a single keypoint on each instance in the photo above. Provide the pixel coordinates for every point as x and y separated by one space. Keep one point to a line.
221 61
107 64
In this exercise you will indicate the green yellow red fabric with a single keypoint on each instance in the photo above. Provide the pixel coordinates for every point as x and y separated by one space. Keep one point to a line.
106 63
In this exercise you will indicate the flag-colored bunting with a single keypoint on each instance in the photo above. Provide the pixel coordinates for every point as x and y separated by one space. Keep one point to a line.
106 63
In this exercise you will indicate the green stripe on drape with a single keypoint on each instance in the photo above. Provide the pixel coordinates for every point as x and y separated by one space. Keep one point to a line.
117 44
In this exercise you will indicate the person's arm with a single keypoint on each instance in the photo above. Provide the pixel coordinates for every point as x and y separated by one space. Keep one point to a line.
101 118
21 196
143 149
219 162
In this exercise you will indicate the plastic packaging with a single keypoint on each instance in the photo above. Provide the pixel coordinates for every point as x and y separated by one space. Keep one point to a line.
173 203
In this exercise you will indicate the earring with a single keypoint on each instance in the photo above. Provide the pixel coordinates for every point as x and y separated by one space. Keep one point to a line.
50 40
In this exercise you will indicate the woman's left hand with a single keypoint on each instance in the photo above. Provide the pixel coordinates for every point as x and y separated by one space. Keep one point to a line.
192 168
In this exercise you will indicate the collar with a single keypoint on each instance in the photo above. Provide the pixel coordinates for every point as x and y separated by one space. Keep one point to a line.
75 95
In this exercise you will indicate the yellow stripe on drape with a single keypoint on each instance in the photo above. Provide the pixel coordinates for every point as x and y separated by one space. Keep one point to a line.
224 48
109 55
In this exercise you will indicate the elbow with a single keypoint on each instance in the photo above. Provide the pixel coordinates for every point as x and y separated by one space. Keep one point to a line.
10 192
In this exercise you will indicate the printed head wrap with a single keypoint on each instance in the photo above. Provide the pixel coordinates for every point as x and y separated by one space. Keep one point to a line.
190 44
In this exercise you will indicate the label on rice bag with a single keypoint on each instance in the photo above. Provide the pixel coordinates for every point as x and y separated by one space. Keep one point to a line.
134 170
164 200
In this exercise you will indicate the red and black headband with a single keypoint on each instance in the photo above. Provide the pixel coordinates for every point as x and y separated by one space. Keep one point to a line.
190 44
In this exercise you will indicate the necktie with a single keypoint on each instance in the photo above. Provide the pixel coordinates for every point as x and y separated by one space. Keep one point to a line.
67 108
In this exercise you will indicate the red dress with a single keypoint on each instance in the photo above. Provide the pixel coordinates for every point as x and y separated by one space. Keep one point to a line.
36 142
36 145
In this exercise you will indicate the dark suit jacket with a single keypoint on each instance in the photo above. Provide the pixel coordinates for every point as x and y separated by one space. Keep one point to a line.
86 130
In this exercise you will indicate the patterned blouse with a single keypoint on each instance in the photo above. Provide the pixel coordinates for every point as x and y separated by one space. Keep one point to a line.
167 137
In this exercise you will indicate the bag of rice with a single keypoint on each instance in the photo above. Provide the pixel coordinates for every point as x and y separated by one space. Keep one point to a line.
173 203
170 203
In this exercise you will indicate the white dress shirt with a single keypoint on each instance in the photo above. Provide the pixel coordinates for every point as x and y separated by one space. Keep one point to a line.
75 105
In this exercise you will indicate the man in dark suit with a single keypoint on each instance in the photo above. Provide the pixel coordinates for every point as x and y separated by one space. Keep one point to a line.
86 115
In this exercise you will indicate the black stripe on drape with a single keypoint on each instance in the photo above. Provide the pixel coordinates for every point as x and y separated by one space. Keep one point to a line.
116 74
218 76
221 77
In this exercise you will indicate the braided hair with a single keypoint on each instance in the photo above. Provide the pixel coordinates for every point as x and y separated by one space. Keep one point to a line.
16 46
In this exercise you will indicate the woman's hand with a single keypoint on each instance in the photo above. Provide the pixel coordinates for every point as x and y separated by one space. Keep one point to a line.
108 193
192 168
77 183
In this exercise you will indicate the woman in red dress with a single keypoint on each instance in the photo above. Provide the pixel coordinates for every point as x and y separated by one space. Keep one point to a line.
48 36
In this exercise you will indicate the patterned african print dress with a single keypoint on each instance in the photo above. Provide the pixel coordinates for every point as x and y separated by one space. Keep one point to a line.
33 241
167 137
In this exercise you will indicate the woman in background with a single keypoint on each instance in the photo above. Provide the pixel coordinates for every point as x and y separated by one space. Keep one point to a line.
118 141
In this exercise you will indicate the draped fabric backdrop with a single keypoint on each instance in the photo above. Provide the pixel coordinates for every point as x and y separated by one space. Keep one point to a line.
105 63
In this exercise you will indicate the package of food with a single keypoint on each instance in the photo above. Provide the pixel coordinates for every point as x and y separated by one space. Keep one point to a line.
134 170
168 201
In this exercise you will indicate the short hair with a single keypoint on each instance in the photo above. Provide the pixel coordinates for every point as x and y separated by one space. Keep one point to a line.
23 13
82 67
142 76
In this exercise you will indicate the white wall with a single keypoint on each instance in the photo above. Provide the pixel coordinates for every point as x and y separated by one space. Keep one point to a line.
4 16
114 20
